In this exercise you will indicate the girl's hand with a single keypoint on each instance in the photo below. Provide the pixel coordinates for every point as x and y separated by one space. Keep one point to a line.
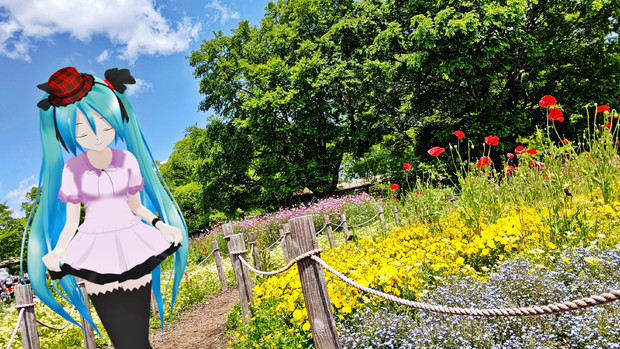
54 259
170 233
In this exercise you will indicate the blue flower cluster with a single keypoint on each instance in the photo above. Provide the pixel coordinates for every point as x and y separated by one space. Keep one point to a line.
571 274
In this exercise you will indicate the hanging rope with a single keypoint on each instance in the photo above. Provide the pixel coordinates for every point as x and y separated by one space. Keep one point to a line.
523 311
19 320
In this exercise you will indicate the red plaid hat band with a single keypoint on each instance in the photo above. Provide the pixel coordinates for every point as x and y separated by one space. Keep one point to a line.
68 86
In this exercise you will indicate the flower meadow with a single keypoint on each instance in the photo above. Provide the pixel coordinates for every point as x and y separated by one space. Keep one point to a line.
538 226
267 227
570 274
481 228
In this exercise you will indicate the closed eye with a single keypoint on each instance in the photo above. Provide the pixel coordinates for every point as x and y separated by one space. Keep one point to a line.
81 136
108 129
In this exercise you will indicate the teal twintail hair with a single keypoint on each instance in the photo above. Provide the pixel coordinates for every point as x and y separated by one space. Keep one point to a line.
45 225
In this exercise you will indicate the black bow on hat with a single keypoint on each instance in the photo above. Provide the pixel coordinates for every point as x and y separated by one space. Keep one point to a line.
118 78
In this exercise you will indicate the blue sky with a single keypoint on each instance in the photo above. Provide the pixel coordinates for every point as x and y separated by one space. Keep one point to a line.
151 38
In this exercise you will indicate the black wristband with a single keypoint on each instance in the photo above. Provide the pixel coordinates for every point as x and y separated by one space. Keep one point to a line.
155 220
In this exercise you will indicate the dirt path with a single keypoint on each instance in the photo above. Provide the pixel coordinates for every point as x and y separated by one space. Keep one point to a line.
200 326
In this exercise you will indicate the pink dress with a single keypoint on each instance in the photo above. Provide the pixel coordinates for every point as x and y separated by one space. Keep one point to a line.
112 244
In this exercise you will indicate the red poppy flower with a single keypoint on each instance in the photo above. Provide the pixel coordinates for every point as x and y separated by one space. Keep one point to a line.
565 141
483 161
436 151
491 140
532 151
608 125
531 163
520 150
602 108
510 155
547 101
394 186
459 134
509 169
407 166
555 114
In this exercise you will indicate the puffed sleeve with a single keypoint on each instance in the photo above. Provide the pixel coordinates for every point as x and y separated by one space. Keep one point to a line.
136 182
69 191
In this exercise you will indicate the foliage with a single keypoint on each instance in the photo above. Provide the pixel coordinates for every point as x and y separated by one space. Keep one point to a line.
299 92
323 87
180 174
11 231
475 65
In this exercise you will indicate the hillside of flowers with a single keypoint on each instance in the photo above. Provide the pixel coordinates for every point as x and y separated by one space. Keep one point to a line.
541 226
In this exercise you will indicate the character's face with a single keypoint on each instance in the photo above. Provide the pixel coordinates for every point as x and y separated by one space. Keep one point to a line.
87 138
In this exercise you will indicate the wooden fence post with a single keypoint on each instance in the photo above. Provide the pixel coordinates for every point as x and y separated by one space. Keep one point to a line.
218 264
89 332
396 217
328 230
289 241
154 307
287 257
255 253
227 230
313 285
236 249
28 327
345 226
381 216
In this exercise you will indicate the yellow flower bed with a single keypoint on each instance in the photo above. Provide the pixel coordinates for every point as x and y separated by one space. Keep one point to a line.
404 262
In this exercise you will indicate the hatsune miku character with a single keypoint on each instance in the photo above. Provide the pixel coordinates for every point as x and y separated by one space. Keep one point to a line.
131 221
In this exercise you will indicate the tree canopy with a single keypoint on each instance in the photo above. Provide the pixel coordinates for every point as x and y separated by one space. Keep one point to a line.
324 85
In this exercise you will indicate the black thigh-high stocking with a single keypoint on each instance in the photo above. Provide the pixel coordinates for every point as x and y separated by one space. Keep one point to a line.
125 316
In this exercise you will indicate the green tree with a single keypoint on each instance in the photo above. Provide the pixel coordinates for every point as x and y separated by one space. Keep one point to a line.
483 66
299 92
11 231
321 79
179 172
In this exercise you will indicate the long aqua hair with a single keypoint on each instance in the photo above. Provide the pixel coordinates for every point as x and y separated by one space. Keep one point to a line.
45 225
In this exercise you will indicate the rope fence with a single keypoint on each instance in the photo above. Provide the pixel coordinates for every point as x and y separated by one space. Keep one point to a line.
492 312
278 242
281 270
19 321
56 328
316 298
365 222
298 239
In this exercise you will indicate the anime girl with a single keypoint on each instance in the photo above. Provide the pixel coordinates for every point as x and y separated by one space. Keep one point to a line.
113 250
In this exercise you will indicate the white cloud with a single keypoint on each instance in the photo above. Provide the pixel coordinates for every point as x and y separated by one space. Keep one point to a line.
17 196
139 87
104 56
70 60
137 26
224 13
